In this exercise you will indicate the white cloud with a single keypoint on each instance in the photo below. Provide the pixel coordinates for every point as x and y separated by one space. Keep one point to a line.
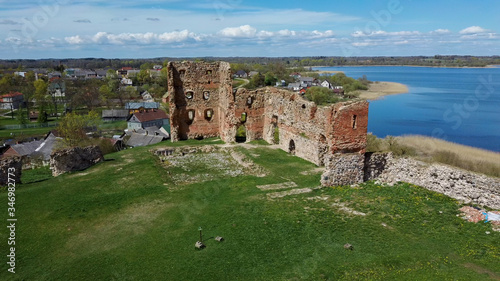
440 31
363 44
134 38
381 33
473 30
74 40
239 32
404 42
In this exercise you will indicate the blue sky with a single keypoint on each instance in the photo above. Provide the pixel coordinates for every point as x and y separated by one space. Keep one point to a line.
153 28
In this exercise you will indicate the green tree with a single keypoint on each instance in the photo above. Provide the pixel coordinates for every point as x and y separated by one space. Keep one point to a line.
21 116
270 79
321 95
73 128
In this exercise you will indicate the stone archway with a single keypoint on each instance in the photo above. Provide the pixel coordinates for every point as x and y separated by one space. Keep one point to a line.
291 147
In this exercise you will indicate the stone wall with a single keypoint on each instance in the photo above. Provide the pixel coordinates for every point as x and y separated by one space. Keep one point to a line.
465 186
462 185
343 169
5 164
74 159
196 92
306 130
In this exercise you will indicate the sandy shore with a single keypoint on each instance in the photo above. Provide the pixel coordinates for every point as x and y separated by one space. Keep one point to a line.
380 89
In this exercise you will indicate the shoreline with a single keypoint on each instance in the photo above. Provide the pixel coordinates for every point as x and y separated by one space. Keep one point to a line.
379 89
364 65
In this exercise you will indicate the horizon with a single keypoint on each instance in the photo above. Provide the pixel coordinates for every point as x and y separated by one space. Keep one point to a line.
65 29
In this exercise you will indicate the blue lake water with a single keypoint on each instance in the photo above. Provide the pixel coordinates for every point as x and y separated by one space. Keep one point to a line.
461 105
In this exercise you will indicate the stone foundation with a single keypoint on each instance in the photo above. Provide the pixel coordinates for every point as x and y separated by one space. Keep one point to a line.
465 186
343 169
14 163
74 159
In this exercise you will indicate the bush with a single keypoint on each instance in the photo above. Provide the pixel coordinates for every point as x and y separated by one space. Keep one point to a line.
373 144
321 95
276 135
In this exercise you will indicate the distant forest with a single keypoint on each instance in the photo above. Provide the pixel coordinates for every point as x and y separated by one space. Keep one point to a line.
100 63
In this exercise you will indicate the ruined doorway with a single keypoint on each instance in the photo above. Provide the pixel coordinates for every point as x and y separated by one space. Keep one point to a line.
291 147
241 134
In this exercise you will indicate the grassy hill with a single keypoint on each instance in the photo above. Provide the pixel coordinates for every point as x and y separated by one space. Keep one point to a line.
130 218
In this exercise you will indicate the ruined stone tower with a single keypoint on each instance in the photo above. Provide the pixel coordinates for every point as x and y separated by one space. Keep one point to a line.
203 104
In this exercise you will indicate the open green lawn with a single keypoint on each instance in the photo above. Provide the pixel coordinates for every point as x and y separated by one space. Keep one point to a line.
125 219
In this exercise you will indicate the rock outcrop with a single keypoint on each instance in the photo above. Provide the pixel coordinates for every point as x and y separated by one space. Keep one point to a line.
12 165
74 159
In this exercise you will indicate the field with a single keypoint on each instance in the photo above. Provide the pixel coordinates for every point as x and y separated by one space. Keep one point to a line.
132 218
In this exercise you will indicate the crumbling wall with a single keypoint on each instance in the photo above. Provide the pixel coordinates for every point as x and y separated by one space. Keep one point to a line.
309 131
12 165
343 169
74 159
196 91
349 126
462 185
465 186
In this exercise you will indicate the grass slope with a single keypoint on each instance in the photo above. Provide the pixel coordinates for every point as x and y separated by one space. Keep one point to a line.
122 220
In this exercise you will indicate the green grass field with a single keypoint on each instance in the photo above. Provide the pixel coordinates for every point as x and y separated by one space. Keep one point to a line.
125 219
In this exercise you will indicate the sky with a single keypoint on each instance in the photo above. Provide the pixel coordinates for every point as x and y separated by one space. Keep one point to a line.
34 29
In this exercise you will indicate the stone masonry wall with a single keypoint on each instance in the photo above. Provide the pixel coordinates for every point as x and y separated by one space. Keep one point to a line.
306 130
343 169
465 186
196 90
462 185
74 159
5 164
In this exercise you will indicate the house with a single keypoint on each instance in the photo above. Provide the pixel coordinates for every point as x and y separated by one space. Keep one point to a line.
308 81
141 106
157 67
47 146
296 75
126 81
137 140
115 114
294 86
326 84
241 74
101 73
252 73
22 149
55 74
144 119
147 136
57 87
123 71
20 73
11 100
339 90
281 83
147 97
302 91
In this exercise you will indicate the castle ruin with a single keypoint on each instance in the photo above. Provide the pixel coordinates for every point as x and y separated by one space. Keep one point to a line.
203 104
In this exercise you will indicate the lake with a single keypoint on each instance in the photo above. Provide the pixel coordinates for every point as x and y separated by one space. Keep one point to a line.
460 105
